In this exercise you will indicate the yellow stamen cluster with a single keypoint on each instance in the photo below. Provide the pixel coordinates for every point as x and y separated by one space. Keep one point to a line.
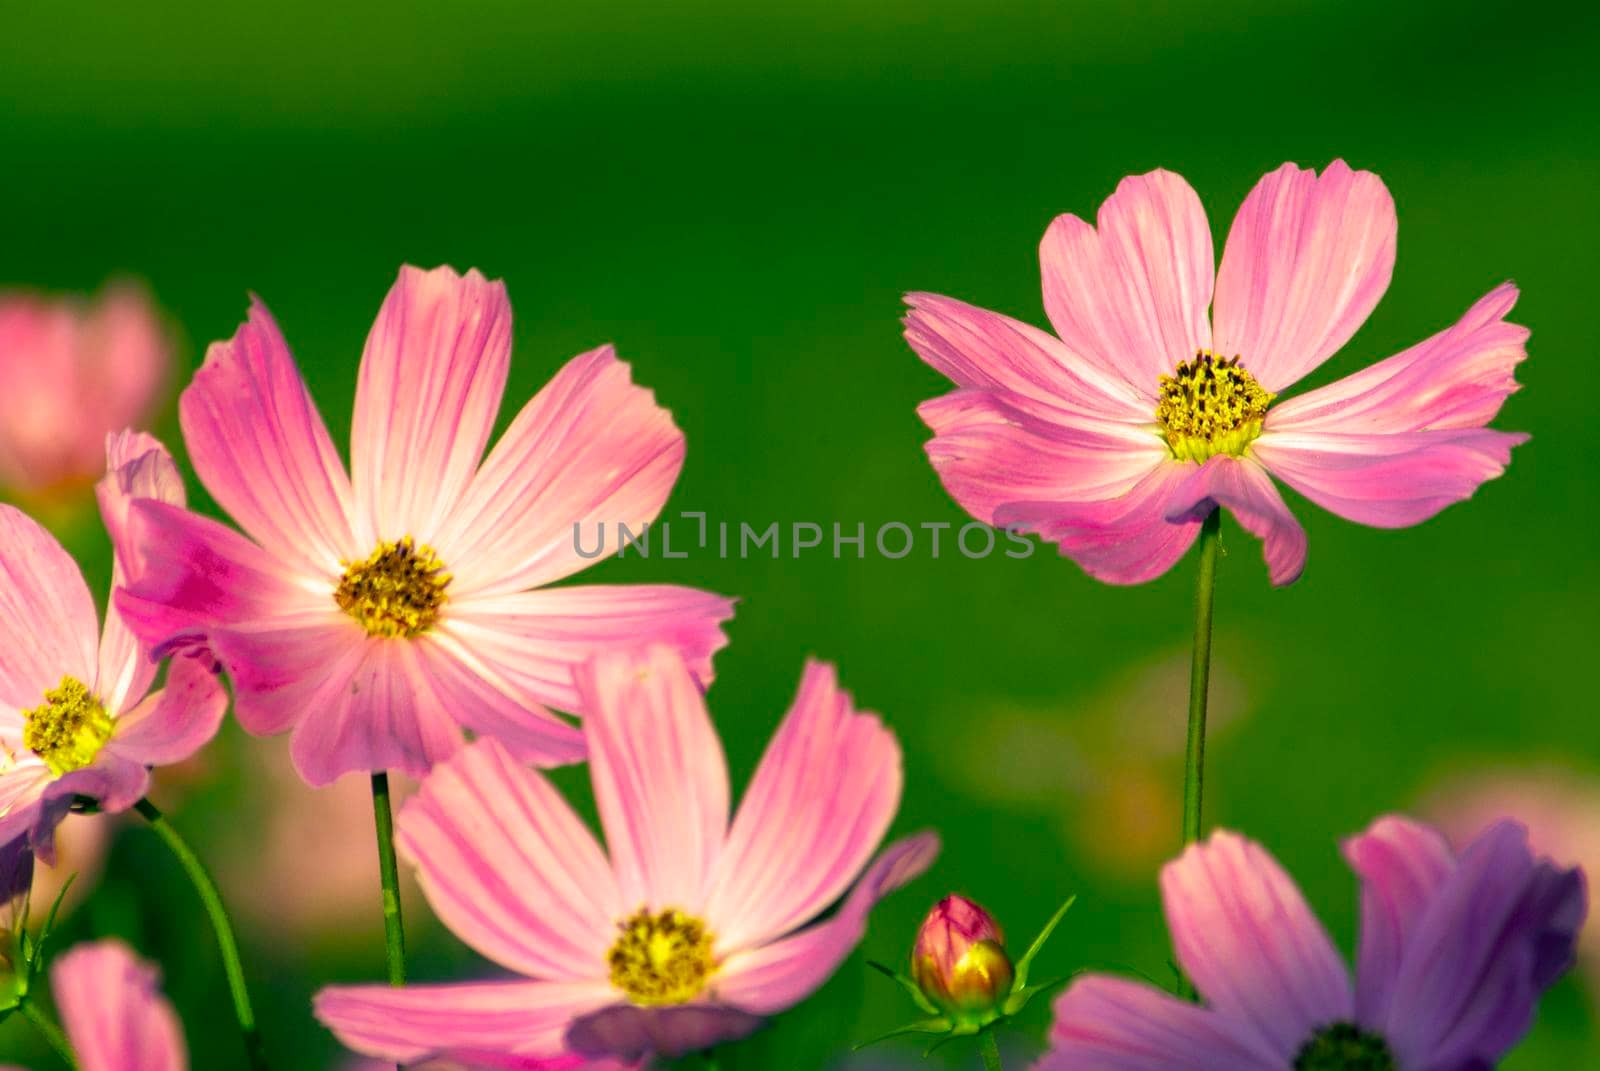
1211 405
397 591
661 958
68 729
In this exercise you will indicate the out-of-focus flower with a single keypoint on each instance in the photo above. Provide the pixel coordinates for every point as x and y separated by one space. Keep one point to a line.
75 370
113 1011
81 842
380 614
1455 953
959 961
1118 438
77 717
691 931
1561 809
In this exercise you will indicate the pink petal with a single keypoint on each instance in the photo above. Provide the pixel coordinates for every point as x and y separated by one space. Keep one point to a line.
137 466
420 1021
21 792
818 806
113 1011
199 575
768 979
286 672
1124 540
474 685
172 724
48 627
259 446
633 1033
1245 489
1131 296
379 714
1306 262
509 868
1496 934
590 448
432 376
114 781
1402 865
1456 379
660 780
985 351
533 642
992 449
1243 933
1387 480
1108 1024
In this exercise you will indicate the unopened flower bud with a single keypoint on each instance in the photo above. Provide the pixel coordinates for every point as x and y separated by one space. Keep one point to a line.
960 960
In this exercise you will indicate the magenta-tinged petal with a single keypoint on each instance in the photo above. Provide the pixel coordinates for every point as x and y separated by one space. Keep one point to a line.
1495 935
137 466
1131 294
509 868
477 685
632 1033
1245 489
259 446
379 714
818 806
21 790
1256 953
660 780
768 979
172 724
432 375
1458 378
992 449
985 351
591 448
1306 262
48 627
1109 1024
1124 540
114 781
113 1011
285 673
1387 480
199 575
417 1022
533 642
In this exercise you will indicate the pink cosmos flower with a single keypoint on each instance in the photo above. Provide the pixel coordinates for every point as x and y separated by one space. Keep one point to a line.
685 931
74 370
380 614
1455 952
113 1012
77 716
1118 438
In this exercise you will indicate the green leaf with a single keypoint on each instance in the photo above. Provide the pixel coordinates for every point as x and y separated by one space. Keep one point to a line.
925 1026
907 984
1026 961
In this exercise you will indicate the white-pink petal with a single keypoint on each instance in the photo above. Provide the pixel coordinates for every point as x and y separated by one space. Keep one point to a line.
48 625
113 1011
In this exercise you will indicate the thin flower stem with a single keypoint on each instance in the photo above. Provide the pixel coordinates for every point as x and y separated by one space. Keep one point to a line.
1200 678
991 1051
220 924
394 934
52 1033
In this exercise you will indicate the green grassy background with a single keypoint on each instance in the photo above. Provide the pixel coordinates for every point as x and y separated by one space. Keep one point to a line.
737 196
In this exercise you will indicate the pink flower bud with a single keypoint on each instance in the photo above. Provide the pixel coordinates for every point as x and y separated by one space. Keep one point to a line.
960 961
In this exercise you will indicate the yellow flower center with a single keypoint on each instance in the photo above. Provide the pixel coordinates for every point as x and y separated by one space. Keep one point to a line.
397 591
68 729
1211 405
661 958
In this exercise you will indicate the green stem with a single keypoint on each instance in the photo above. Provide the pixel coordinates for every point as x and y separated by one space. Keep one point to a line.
1194 769
52 1033
220 924
394 934
990 1049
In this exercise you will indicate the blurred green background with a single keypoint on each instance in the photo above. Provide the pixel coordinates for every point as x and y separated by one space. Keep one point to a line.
737 196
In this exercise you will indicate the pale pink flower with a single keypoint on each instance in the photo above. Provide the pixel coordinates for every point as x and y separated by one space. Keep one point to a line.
380 614
1455 952
77 714
1118 438
685 931
75 370
113 1011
